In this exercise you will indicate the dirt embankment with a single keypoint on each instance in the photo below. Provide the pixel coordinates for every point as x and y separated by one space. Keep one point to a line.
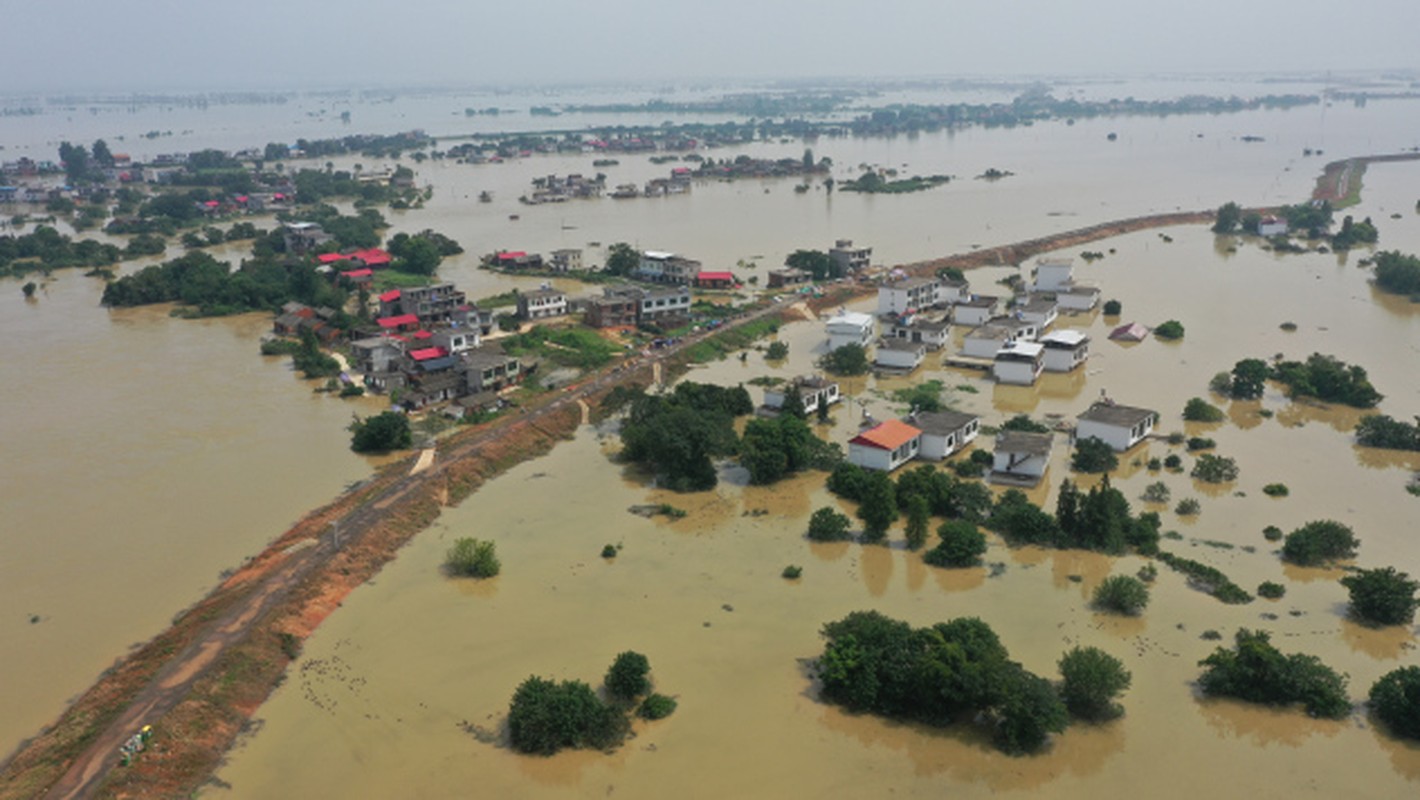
199 682
1340 181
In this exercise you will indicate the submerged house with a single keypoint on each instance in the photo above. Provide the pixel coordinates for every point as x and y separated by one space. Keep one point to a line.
908 295
1019 363
900 354
1120 427
1021 458
1129 332
850 327
976 310
1065 350
812 390
885 446
943 432
920 330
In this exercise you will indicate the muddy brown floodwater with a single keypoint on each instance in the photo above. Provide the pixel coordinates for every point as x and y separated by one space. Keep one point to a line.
378 703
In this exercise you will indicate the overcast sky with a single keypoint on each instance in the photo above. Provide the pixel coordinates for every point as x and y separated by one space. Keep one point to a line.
139 45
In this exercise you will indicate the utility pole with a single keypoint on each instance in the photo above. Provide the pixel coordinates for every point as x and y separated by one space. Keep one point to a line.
335 533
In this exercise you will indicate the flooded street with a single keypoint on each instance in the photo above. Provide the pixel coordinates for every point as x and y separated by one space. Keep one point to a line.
146 454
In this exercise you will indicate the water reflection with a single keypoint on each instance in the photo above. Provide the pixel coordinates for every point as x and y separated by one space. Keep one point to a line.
957 580
1264 725
876 564
1387 643
1404 753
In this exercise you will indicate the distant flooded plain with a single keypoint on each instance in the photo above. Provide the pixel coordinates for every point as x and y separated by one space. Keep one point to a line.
152 453
384 697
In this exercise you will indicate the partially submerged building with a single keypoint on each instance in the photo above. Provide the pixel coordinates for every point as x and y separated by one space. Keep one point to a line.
1065 350
909 295
900 354
850 327
885 446
1021 458
943 432
1120 427
813 391
1019 363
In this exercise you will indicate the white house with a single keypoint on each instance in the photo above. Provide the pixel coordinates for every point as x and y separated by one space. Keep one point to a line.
1021 458
850 327
944 432
987 340
1120 427
920 330
976 310
849 258
542 303
1019 363
1036 309
885 446
1271 226
666 267
1078 298
1053 274
456 340
1065 350
909 294
813 390
954 292
900 354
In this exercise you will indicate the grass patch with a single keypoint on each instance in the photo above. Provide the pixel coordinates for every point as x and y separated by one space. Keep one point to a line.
725 342
568 347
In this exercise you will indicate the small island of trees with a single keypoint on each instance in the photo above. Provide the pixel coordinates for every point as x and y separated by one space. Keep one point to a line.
547 716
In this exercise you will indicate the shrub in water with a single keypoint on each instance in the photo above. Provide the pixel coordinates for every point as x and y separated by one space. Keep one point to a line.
472 558
1121 594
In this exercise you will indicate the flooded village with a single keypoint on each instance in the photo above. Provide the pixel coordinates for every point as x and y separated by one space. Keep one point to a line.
484 288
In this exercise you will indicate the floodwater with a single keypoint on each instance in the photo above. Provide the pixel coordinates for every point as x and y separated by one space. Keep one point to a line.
405 690
196 451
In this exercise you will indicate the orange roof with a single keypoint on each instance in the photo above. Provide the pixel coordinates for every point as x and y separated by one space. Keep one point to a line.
889 435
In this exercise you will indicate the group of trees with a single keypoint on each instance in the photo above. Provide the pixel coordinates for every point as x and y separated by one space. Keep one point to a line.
1353 233
472 558
546 716
960 670
1321 376
385 431
1098 520
678 434
848 360
1398 273
46 249
817 262
1199 410
622 259
1380 430
775 448
1319 542
923 492
1093 455
213 288
1256 671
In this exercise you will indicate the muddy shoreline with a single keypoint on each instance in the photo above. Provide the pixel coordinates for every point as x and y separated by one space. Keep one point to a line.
200 682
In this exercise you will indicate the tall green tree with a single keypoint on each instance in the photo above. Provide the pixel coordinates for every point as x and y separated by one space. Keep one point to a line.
622 259
878 509
1227 218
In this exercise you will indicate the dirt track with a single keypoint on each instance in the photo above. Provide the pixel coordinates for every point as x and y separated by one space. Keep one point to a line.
289 572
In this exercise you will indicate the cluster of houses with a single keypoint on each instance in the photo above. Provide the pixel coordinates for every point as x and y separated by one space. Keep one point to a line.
559 189
1012 340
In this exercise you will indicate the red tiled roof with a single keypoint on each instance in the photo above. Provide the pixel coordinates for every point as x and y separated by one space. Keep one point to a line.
331 258
358 273
715 276
390 296
422 335
211 204
398 322
512 255
889 435
373 257
427 353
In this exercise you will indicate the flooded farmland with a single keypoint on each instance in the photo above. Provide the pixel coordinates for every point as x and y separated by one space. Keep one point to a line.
197 451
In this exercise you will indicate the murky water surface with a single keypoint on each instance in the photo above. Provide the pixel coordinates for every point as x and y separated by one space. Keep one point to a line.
145 454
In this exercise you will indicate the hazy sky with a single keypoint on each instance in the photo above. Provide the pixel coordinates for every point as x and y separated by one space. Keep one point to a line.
201 44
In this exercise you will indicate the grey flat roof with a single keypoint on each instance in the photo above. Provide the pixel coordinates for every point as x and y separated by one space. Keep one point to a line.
1035 444
900 344
1111 414
940 422
979 301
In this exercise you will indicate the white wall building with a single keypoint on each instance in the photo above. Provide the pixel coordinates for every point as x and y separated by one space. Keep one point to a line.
1053 274
909 294
944 432
851 327
885 446
933 333
1019 363
987 340
813 391
1065 350
1037 310
1021 458
976 310
1078 298
900 354
1120 427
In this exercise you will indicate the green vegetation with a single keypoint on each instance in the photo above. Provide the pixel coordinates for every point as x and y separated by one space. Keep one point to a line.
1319 542
628 677
816 262
1314 218
1257 672
1353 233
827 525
1379 430
919 519
1327 378
46 249
1171 330
792 572
1382 596
1099 520
1206 579
1121 594
875 664
547 716
1398 273
1271 590
1272 533
962 545
1247 381
871 182
581 348
850 359
924 396
727 341
1156 492
1276 490
1196 443
1112 308
777 351
1188 507
877 507
656 706
1092 681
1093 455
386 431
776 448
1228 217
472 558
1173 461
677 434
1395 699
946 495
622 259
1199 410
1210 468
1024 424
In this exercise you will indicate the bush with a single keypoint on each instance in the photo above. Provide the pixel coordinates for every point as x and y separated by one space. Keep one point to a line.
1093 455
1156 492
1395 699
386 431
627 679
1173 329
919 518
1199 410
1205 578
547 716
850 359
1200 443
1112 308
777 351
656 706
792 572
1215 469
472 558
1173 461
1382 596
1272 533
827 525
1092 680
1271 590
962 545
1155 465
1029 713
1121 594
1380 430
1276 490
1187 507
352 391
848 481
1317 542
1257 672
609 551
1024 424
